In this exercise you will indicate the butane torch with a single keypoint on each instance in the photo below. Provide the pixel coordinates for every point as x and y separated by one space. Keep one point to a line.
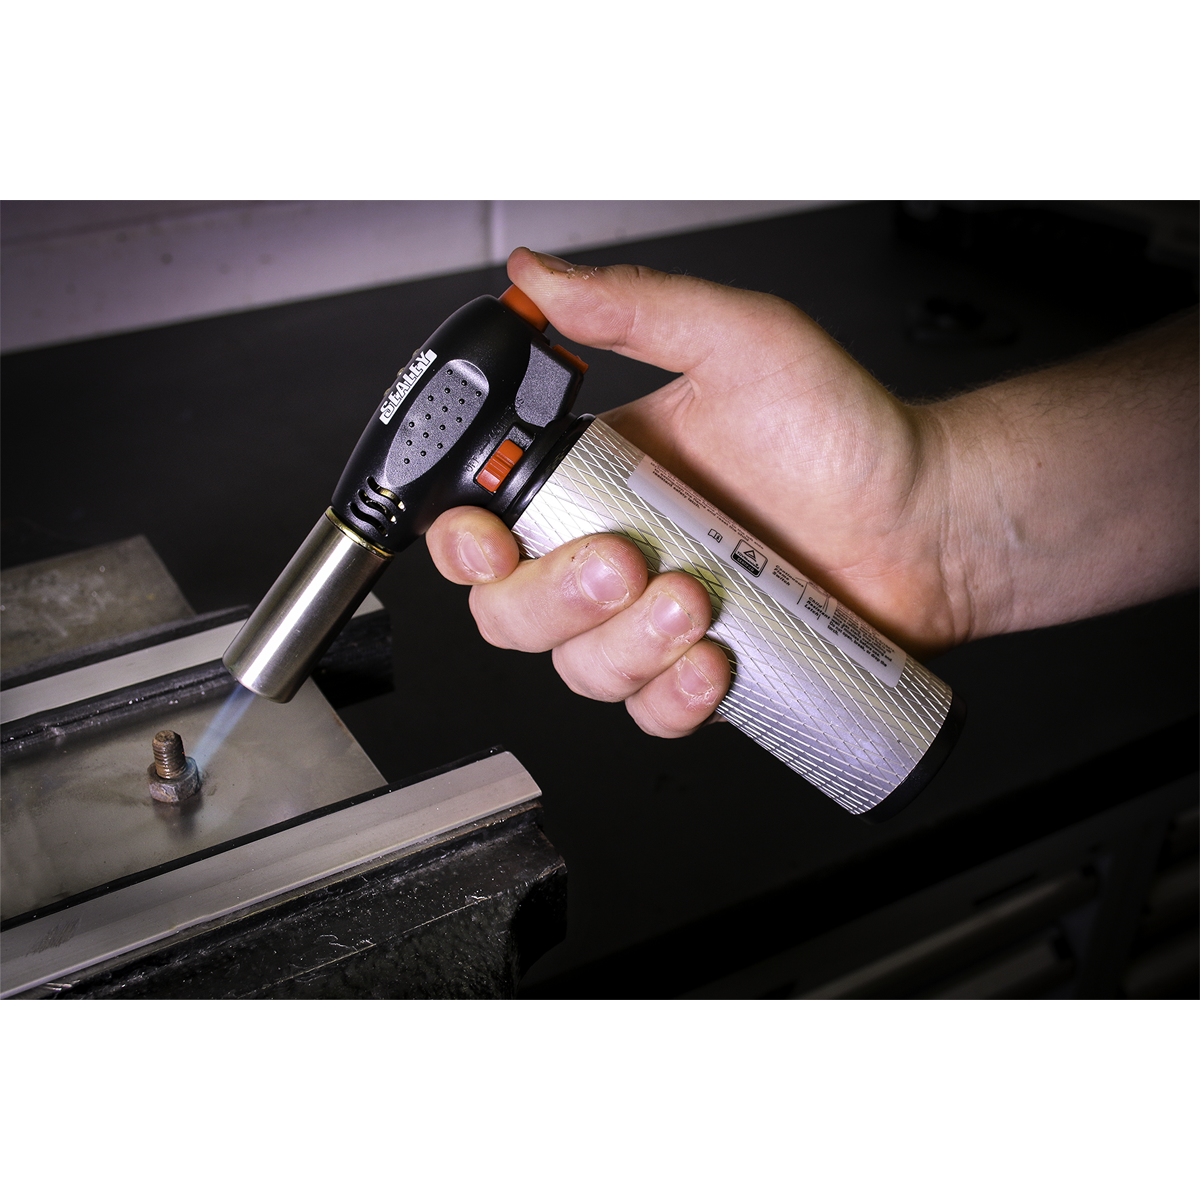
480 416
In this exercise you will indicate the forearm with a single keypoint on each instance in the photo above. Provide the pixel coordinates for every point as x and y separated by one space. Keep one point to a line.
1071 491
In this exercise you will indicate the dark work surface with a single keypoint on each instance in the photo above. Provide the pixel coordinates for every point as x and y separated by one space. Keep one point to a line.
221 441
782 917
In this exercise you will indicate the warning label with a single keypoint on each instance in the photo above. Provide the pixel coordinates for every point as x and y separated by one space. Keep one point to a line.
802 598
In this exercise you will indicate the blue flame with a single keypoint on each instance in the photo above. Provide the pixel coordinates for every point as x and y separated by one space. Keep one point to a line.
222 725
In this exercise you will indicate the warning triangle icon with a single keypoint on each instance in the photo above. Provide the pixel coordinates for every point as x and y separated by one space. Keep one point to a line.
749 559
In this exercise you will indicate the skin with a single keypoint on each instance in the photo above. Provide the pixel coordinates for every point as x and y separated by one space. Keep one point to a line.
1057 495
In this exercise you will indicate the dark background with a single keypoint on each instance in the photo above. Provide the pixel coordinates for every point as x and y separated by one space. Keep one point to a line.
221 441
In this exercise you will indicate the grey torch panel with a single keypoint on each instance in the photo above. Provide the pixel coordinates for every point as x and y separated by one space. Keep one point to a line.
797 695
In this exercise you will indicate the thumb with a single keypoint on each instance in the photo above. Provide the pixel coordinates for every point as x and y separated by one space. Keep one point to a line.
675 322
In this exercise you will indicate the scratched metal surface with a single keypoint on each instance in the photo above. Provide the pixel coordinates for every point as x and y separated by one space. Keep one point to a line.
70 601
80 815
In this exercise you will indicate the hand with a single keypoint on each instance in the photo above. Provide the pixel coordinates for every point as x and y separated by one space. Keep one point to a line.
1057 495
773 422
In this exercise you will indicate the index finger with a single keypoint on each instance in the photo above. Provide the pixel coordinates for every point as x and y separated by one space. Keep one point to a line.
472 545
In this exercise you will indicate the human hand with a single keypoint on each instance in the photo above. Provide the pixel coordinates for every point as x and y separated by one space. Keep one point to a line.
772 421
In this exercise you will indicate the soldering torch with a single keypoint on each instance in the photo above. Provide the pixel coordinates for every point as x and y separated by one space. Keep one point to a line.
481 416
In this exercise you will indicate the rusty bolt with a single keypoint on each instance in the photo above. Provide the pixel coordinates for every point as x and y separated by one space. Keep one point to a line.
173 777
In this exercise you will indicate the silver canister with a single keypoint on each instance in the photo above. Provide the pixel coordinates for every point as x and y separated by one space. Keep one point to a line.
813 683
312 599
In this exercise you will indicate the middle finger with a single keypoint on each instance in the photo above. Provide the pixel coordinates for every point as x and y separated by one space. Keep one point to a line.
614 660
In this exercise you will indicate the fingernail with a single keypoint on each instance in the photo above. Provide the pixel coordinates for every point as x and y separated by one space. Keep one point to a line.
553 262
472 557
601 580
669 618
691 679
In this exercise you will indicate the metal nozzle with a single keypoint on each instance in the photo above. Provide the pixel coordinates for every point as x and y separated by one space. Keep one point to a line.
303 612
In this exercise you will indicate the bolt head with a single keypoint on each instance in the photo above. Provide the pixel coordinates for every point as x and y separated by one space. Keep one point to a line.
175 791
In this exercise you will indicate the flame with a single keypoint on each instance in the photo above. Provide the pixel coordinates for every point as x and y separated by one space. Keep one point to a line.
222 725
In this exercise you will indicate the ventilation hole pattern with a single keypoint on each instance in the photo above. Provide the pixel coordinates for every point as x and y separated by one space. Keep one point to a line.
374 512
815 709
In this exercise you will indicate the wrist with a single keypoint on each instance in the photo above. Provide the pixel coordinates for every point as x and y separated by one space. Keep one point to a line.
964 506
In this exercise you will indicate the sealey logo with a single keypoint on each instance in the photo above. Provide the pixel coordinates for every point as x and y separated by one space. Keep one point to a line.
404 384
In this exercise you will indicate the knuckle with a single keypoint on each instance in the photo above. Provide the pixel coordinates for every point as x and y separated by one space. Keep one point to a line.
484 621
619 679
584 679
578 686
588 670
653 717
500 622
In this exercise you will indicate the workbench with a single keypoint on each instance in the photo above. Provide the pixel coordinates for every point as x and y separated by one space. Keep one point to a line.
700 866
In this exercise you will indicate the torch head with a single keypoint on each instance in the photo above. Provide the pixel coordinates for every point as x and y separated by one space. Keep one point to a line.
474 418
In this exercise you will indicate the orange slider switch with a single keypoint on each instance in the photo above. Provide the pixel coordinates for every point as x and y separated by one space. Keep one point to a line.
504 458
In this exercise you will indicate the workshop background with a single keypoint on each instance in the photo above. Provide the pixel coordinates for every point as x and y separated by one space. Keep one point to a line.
197 373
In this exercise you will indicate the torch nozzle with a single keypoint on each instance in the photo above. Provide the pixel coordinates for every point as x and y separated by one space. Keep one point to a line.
317 593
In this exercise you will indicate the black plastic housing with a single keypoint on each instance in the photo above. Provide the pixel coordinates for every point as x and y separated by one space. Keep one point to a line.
486 375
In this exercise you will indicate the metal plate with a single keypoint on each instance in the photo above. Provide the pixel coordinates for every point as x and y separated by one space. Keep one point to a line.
125 670
248 875
80 815
66 603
